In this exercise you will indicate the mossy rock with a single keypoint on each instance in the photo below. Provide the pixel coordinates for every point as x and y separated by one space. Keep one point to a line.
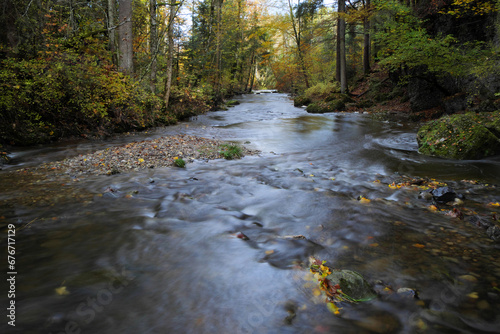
464 136
341 97
323 107
232 103
352 284
301 100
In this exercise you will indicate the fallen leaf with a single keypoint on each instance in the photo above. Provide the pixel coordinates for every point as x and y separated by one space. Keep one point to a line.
418 246
333 308
473 295
433 208
364 200
62 291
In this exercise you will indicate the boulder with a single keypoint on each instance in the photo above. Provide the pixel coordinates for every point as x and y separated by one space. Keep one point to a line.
463 136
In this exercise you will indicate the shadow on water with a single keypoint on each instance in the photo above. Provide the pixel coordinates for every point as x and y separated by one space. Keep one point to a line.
221 246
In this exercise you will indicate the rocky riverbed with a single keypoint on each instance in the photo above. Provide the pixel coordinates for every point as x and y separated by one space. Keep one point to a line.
155 153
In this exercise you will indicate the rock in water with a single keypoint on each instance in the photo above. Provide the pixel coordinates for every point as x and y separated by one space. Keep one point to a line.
444 194
352 284
494 233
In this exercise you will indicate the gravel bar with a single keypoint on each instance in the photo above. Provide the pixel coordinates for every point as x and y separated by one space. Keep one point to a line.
156 153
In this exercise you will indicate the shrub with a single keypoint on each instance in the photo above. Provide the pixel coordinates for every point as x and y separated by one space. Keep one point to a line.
69 94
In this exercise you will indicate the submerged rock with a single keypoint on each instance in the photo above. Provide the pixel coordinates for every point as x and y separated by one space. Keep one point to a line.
465 136
492 229
352 284
494 233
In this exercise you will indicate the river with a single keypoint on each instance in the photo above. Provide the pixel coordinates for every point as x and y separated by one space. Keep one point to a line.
163 253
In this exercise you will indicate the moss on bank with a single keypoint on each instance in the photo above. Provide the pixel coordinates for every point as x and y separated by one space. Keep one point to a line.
461 136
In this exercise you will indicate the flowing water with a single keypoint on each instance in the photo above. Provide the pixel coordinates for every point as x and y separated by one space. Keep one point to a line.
163 253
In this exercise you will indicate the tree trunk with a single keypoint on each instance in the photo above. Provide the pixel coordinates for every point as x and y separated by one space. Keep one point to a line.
125 41
218 55
153 44
170 37
366 42
298 41
249 77
337 54
111 31
343 71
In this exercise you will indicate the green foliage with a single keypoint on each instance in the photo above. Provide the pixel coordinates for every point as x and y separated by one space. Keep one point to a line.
66 94
179 162
404 42
230 152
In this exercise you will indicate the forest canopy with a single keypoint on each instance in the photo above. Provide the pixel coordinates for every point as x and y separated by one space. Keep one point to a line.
99 66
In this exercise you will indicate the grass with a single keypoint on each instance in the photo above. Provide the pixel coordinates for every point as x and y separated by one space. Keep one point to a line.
179 162
230 152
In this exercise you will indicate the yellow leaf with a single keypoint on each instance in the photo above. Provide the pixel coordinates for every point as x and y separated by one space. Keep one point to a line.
333 308
364 200
141 160
269 252
494 204
62 291
473 295
433 208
